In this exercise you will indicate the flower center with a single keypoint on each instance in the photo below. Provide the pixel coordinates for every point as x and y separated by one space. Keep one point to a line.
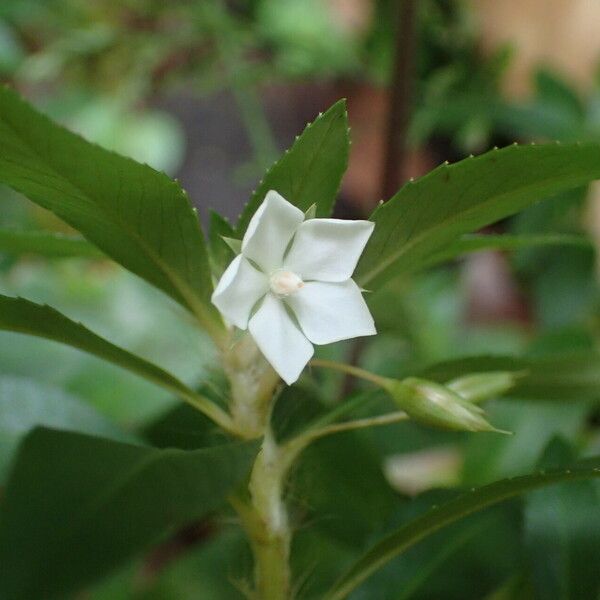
284 283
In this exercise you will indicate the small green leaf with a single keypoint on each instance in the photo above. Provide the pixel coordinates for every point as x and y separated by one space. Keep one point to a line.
311 212
136 215
435 519
43 243
309 172
76 506
22 316
427 214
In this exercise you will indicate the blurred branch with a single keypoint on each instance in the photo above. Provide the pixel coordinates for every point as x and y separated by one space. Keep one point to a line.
397 123
400 99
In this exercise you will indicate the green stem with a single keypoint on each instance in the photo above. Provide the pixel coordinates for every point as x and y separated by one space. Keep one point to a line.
349 369
266 523
211 410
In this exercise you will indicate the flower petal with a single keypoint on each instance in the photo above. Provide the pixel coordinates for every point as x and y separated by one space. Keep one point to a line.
270 231
280 340
239 289
328 249
330 312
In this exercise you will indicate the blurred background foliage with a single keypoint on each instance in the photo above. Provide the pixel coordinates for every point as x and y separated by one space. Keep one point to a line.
211 92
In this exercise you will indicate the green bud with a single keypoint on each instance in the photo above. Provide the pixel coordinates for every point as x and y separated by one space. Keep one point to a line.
436 405
478 387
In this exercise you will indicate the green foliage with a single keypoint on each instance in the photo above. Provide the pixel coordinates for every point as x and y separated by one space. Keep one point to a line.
137 216
439 517
84 497
310 172
22 316
427 214
113 500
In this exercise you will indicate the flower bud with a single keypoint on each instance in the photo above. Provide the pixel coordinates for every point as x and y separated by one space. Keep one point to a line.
478 387
434 404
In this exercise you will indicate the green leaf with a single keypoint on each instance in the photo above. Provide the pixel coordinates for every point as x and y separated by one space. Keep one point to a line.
475 243
53 245
309 172
136 215
427 214
570 376
435 519
77 506
23 316
25 404
562 534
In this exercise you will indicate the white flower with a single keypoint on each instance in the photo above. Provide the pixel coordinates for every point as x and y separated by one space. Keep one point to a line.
291 284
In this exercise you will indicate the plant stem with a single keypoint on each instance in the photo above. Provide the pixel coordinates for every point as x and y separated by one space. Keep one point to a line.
387 419
400 100
253 382
349 370
265 520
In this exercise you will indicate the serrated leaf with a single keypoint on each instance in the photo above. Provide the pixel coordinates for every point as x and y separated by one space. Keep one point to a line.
309 172
470 243
43 243
76 506
435 519
427 214
22 316
136 215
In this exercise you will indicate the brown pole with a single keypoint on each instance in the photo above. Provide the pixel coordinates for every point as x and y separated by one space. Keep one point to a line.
397 122
400 99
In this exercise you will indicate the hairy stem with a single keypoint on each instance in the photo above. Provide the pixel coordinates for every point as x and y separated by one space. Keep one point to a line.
265 519
253 382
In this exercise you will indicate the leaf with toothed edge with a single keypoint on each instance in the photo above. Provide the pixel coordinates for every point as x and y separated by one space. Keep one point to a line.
22 316
136 215
428 214
309 172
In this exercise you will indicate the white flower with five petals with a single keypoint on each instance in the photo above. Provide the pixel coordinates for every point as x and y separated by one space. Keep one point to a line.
291 285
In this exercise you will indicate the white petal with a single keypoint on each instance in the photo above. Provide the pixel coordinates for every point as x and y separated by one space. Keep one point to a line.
239 289
330 312
328 249
270 231
280 340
